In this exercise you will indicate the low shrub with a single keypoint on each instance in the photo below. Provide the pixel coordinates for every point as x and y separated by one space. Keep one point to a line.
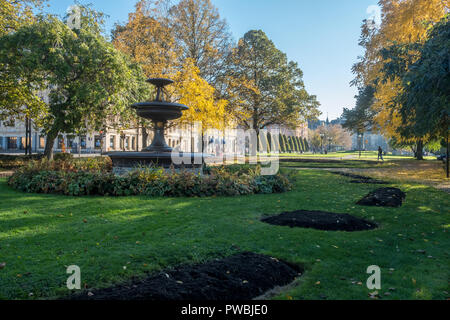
102 164
16 161
62 156
61 161
155 182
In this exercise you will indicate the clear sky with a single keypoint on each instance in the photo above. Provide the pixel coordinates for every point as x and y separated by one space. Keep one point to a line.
321 35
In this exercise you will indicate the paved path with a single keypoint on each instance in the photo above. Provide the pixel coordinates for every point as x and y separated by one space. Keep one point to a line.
439 184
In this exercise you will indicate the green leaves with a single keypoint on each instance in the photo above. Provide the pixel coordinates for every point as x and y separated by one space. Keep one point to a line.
85 78
265 87
360 119
64 177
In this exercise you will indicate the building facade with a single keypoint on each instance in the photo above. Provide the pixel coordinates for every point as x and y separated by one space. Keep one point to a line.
187 138
370 142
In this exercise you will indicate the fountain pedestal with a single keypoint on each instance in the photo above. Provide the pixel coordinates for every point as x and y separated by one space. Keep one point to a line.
158 154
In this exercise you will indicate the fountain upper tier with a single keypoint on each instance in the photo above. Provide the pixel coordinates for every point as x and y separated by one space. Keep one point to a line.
159 110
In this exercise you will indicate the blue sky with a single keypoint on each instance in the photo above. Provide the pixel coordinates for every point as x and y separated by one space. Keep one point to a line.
321 35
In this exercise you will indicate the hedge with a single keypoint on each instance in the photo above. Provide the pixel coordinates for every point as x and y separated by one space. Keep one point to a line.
154 182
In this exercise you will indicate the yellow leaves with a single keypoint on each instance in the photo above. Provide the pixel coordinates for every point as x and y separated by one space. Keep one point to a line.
404 22
195 92
148 42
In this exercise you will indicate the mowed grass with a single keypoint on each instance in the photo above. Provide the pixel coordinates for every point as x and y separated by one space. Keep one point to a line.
341 164
351 155
115 239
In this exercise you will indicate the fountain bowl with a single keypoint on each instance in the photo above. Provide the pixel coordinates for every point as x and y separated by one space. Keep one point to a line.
158 154
159 110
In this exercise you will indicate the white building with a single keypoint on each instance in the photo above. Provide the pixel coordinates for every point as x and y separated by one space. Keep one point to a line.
370 142
187 138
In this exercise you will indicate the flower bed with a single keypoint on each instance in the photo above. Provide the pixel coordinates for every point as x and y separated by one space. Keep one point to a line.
67 178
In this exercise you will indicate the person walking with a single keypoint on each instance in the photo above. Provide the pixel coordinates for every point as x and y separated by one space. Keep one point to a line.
380 154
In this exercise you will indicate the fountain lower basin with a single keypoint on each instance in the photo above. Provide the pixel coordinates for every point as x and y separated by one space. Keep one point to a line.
124 162
158 154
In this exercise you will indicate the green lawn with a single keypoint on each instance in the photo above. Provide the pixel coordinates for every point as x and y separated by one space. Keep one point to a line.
340 164
114 239
349 155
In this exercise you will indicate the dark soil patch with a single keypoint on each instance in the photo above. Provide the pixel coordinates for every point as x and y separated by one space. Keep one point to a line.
320 220
359 179
384 197
240 277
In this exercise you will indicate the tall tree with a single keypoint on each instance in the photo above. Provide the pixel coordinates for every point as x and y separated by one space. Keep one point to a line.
84 77
196 93
202 35
265 89
17 99
404 22
148 41
361 118
424 101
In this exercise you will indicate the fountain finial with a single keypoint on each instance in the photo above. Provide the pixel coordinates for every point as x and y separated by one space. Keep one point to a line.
159 83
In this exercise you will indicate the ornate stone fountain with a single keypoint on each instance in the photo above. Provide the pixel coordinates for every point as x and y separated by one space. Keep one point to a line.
158 153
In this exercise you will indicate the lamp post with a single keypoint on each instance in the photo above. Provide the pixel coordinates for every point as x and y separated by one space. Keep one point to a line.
329 144
360 136
321 142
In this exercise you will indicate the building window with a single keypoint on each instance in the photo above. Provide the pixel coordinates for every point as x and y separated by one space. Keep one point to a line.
83 142
61 143
22 143
133 143
1 143
127 143
112 142
12 143
98 142
41 142
71 142
122 138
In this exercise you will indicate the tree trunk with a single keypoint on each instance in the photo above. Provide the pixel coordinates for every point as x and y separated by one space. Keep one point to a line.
144 136
419 152
447 160
49 143
26 135
30 143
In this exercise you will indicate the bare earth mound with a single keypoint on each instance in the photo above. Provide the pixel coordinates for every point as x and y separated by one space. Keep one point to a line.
320 220
359 179
384 197
240 277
